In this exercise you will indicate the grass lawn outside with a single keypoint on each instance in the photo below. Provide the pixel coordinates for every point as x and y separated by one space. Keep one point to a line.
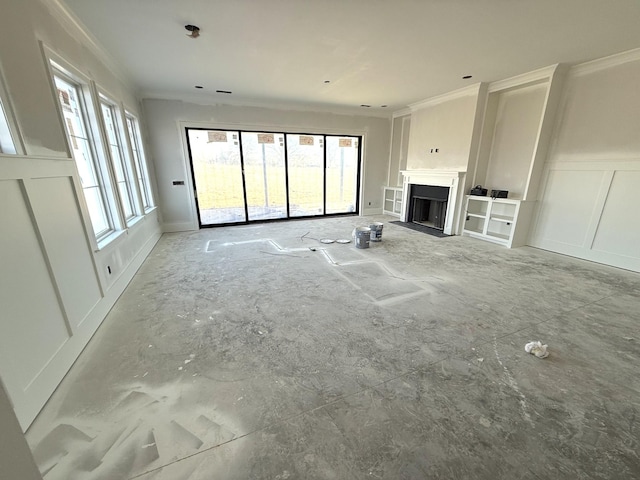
220 186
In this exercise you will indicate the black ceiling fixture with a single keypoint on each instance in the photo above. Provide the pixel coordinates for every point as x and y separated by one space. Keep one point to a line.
195 31
366 106
467 77
224 91
199 86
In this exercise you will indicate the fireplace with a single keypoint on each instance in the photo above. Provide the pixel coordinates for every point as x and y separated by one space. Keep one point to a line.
444 191
427 205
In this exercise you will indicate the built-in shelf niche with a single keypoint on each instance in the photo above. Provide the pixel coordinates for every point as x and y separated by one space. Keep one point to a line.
517 124
400 128
514 140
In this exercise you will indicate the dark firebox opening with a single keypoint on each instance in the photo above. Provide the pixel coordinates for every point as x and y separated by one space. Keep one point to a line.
428 205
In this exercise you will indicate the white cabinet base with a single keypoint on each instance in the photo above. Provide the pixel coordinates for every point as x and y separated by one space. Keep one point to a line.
392 201
504 221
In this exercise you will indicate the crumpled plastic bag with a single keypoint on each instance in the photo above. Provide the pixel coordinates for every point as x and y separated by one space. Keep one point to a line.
537 349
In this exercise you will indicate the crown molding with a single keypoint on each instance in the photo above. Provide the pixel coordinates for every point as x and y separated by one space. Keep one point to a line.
402 113
74 27
539 75
213 100
606 62
446 97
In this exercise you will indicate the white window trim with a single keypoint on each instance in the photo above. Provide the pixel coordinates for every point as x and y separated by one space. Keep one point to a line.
83 91
59 66
129 169
146 179
104 242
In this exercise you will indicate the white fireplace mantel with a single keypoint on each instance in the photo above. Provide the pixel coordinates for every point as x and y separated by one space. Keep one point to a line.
453 179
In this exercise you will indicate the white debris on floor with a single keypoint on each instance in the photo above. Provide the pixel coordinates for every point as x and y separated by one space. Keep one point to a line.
537 349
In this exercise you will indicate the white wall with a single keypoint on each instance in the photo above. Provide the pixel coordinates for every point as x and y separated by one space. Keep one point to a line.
167 144
54 288
515 137
446 125
599 117
590 189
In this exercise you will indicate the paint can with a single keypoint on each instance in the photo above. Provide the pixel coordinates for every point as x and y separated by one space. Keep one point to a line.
376 231
363 236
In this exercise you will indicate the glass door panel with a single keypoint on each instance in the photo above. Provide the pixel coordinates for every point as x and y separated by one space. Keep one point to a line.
342 174
217 173
265 175
305 155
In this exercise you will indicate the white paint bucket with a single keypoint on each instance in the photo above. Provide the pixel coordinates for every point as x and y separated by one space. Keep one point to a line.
363 236
376 231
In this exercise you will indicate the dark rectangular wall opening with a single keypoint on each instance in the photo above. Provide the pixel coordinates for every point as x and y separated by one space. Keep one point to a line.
428 205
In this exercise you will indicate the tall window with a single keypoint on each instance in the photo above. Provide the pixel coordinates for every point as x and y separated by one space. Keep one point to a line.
139 161
84 153
6 141
7 122
120 166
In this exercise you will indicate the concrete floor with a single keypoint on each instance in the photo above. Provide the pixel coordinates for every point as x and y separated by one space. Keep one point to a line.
240 353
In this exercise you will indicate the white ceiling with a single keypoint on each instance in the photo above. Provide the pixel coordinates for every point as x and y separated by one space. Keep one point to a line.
375 52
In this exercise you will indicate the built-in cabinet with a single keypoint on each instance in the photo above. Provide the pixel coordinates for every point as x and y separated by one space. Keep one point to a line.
392 204
500 220
517 124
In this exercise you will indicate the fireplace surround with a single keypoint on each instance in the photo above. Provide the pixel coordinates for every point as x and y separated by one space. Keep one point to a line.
444 201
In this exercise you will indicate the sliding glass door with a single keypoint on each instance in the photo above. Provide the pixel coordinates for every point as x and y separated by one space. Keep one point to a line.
306 175
342 174
242 176
217 174
265 175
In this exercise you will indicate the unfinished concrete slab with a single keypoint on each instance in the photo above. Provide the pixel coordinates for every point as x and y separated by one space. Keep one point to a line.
259 352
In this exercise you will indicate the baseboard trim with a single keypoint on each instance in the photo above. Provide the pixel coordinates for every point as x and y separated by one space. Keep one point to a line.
178 227
605 258
372 211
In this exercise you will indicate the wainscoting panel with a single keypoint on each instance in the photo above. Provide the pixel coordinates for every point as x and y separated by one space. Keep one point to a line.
589 210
